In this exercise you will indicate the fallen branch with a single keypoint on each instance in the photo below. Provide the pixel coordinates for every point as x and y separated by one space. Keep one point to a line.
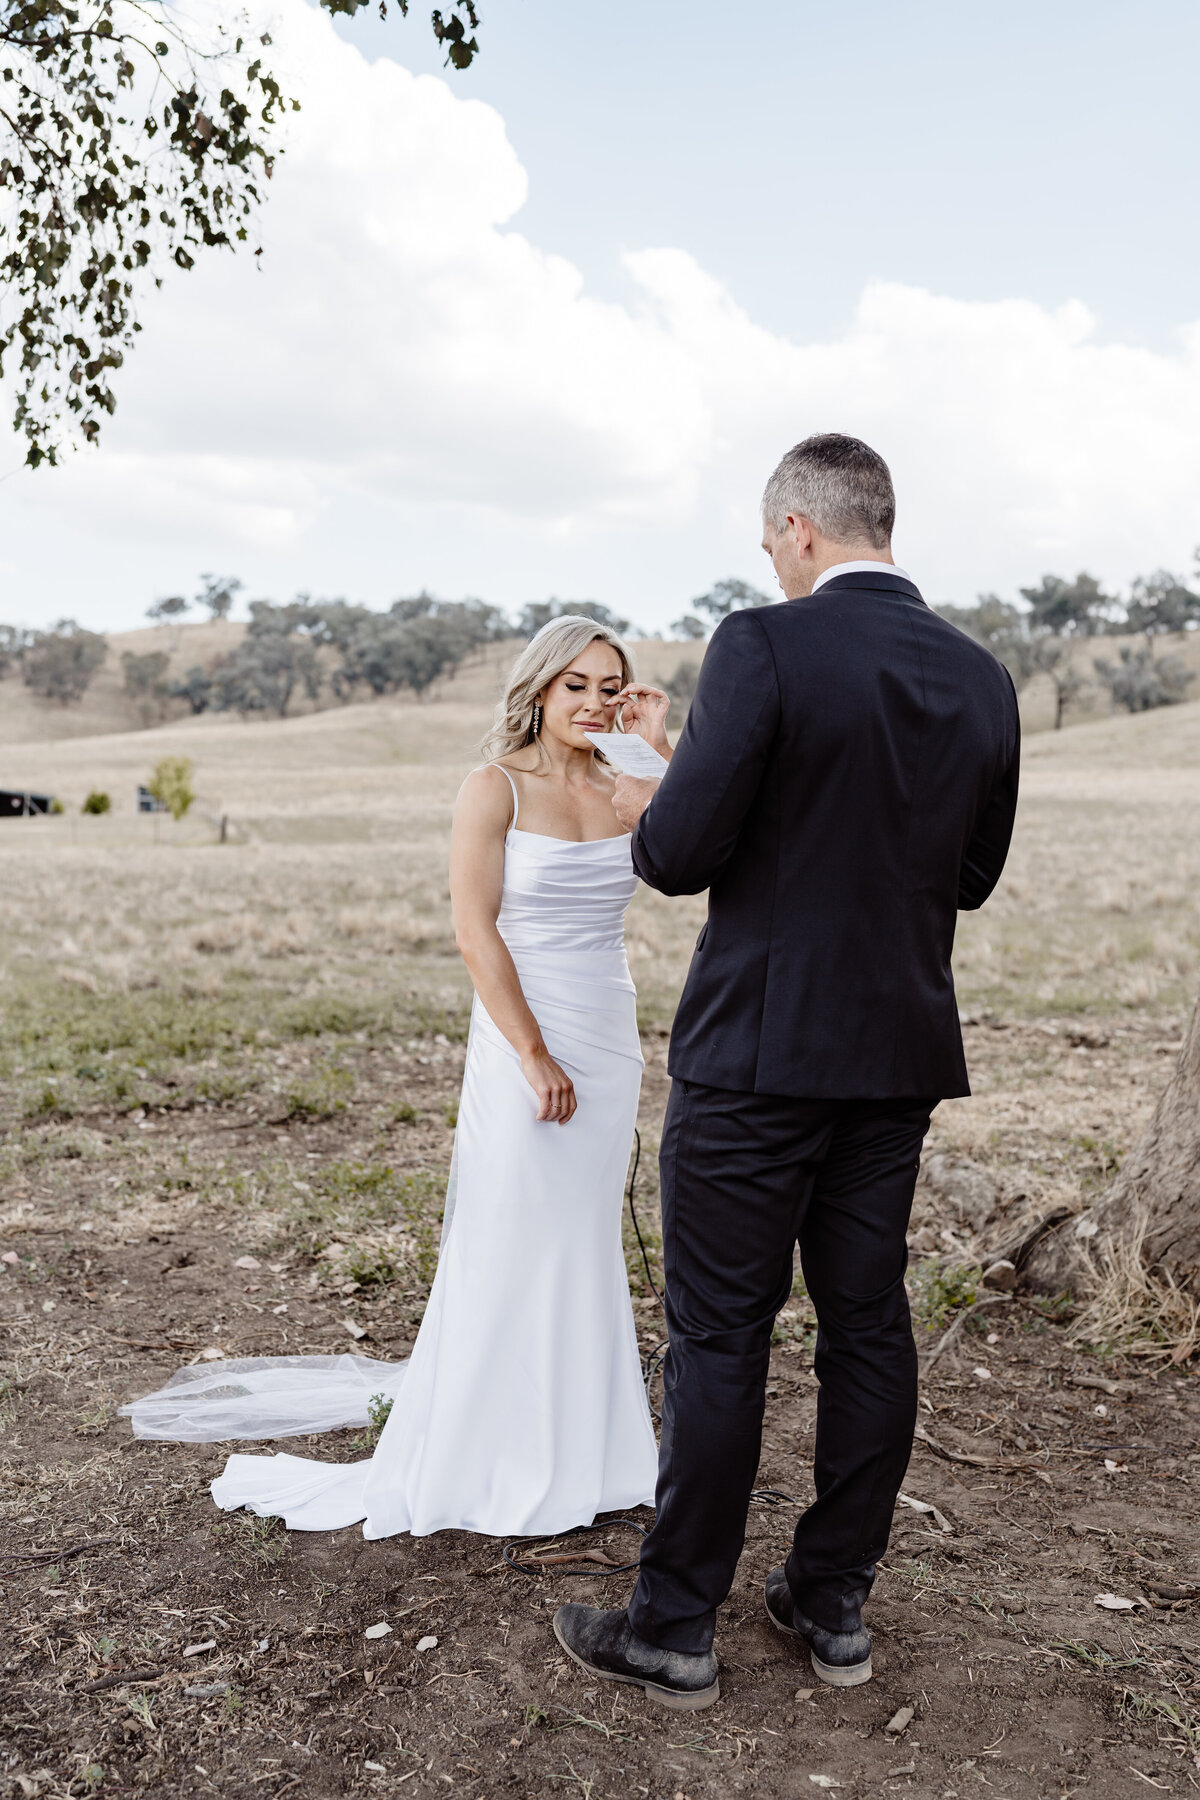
174 1344
1099 1383
978 1462
546 1560
121 1680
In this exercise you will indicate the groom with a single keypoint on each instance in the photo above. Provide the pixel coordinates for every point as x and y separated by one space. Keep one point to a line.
845 782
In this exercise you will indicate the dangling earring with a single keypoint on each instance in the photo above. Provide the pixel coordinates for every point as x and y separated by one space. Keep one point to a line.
537 717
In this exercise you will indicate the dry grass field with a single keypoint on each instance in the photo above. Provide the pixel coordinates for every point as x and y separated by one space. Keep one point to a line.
210 1051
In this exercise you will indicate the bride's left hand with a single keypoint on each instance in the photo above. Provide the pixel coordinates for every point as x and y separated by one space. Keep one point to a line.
644 710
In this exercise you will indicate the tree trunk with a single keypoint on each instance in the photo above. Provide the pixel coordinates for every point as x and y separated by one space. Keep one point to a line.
1158 1188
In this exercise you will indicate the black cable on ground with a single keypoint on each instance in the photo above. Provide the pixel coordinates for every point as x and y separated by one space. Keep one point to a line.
637 1157
653 1360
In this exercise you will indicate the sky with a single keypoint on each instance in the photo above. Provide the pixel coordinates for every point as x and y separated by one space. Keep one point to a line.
545 326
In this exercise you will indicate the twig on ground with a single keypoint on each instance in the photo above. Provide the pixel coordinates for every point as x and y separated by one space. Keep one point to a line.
978 1462
173 1344
120 1680
60 1555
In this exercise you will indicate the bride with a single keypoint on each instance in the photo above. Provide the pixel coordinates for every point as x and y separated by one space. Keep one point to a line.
521 1410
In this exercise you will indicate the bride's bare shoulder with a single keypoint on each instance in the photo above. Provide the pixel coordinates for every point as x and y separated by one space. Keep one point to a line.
485 799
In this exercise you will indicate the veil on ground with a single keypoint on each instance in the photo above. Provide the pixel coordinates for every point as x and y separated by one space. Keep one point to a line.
246 1397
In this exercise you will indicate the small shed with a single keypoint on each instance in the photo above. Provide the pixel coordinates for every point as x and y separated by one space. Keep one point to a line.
14 805
148 802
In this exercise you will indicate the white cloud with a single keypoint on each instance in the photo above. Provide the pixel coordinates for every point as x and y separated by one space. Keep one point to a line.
407 360
1013 434
399 338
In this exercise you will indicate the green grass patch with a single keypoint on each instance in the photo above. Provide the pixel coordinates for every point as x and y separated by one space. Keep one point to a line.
325 1091
940 1289
67 1051
1183 1720
367 1222
252 1540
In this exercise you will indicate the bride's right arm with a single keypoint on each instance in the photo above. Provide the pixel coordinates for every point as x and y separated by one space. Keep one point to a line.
481 818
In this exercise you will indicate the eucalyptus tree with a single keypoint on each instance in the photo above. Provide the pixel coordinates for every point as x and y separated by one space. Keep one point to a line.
1161 604
133 139
58 664
218 594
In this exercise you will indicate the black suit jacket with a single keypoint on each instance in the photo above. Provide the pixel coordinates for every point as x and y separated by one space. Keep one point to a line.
845 781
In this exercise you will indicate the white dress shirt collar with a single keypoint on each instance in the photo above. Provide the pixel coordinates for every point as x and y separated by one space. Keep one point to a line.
858 568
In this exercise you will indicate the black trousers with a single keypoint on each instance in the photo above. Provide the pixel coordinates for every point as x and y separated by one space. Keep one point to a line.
744 1177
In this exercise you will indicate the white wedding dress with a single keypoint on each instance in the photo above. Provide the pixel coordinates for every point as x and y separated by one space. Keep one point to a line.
521 1410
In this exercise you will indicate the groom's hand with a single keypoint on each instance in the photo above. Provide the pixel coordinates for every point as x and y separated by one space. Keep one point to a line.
631 796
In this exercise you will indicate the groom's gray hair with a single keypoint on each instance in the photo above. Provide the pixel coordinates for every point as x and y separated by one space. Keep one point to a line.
840 485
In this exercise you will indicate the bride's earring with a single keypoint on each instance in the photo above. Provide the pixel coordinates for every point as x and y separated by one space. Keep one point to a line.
537 717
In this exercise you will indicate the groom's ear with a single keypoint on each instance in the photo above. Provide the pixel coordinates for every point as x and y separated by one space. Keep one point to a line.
801 532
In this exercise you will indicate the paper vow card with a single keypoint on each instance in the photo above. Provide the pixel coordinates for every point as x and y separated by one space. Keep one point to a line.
631 754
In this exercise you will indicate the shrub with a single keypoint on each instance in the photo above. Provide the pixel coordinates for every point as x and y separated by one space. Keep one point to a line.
941 1289
97 802
371 1268
378 1411
171 783
1142 681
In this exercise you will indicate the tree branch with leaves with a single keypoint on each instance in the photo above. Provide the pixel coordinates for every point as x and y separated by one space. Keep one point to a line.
131 140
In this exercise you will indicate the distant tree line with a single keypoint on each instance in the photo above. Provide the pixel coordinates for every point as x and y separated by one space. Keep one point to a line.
1040 638
300 647
308 646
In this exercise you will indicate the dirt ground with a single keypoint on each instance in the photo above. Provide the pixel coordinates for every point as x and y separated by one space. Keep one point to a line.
153 1645
209 1052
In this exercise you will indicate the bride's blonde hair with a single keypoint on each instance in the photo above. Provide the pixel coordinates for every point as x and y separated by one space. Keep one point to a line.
545 656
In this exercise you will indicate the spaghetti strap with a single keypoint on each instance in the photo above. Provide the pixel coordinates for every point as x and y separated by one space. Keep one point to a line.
512 784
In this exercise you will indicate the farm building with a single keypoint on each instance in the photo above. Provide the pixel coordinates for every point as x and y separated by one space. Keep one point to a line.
23 806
